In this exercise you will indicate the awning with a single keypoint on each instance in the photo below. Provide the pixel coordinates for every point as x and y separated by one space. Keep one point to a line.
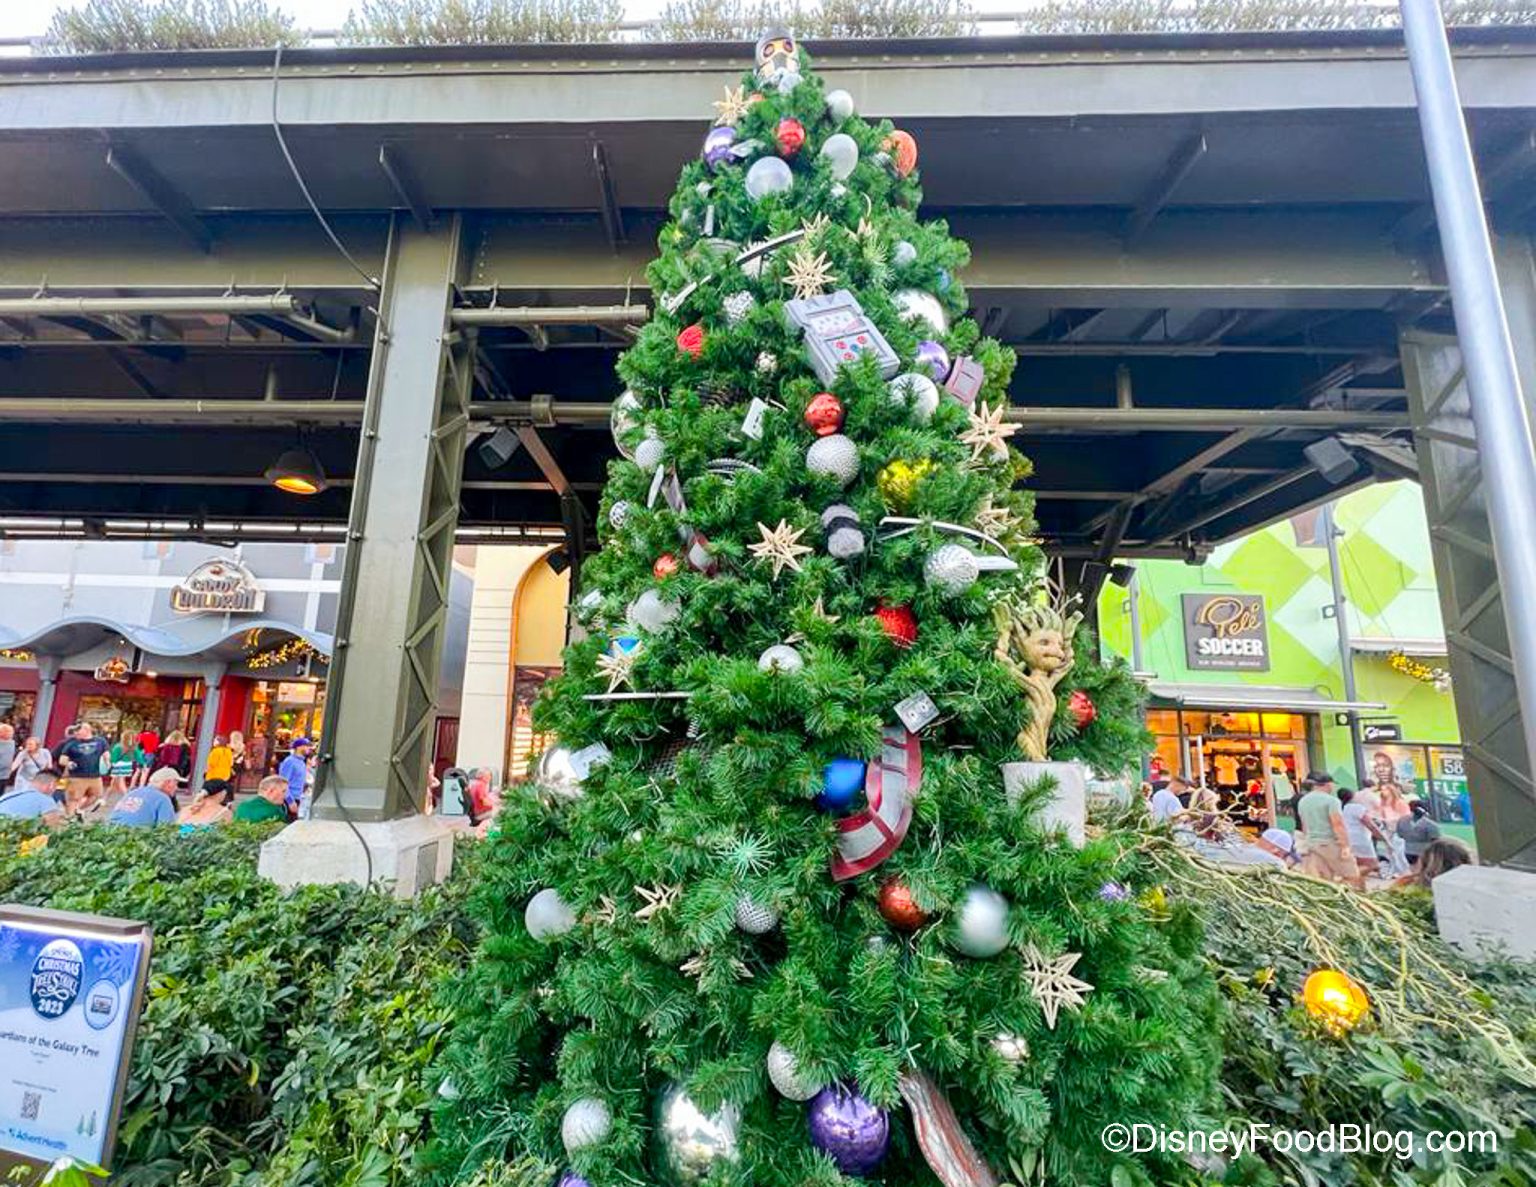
1407 646
80 633
1254 696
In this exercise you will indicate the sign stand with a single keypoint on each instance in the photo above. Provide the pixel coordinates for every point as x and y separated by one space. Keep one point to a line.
71 990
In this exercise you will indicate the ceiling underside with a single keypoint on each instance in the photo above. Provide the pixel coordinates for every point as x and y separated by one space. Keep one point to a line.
1170 273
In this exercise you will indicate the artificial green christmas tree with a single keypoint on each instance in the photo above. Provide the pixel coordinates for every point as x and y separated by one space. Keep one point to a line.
768 915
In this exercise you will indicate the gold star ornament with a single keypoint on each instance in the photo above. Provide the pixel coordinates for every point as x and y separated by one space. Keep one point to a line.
657 898
618 667
988 434
1051 982
780 547
808 275
732 107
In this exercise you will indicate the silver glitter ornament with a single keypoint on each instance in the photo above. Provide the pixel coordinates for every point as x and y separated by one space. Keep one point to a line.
834 456
650 453
981 924
951 569
754 918
781 657
690 1142
737 306
619 513
586 1123
785 1075
916 305
767 362
902 254
1011 1047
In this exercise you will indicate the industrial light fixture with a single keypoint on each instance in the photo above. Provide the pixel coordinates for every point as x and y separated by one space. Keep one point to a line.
1122 574
1332 460
297 471
497 449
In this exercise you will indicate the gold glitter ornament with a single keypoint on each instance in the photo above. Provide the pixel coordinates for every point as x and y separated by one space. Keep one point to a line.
897 481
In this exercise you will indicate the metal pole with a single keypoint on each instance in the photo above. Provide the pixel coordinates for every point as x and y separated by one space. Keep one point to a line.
1133 592
1346 644
1504 439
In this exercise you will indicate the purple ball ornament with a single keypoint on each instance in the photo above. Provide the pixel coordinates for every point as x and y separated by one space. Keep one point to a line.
1114 892
933 360
848 1128
718 144
572 1179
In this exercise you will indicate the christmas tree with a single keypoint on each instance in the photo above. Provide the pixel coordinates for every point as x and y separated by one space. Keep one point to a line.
768 914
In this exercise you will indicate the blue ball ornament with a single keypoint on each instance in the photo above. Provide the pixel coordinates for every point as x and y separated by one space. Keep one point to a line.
624 644
945 280
841 782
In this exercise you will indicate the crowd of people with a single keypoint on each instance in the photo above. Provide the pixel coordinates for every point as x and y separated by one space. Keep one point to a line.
142 779
1369 836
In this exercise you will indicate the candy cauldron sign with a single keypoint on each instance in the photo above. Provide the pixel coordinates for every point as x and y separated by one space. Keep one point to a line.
1226 632
220 586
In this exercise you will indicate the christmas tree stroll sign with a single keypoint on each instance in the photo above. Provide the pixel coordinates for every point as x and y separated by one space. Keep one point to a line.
71 987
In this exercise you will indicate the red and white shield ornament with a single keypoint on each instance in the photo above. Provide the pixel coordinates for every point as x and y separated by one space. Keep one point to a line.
871 835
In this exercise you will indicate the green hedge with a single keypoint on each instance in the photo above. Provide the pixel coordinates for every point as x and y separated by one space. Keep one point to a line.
287 1037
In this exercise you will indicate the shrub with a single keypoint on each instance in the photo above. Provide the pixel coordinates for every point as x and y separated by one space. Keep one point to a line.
481 22
107 26
286 1036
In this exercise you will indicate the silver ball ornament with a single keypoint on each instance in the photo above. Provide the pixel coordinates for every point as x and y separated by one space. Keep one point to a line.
951 569
781 657
737 306
623 420
652 612
768 175
754 918
845 535
839 105
834 456
1010 1047
902 254
650 453
619 513
787 1078
767 362
981 924
918 393
916 305
841 152
689 1142
556 774
547 915
587 1122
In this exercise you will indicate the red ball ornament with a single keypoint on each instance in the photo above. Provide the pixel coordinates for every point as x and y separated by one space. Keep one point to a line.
1082 708
665 566
824 414
790 136
898 907
903 149
899 622
691 340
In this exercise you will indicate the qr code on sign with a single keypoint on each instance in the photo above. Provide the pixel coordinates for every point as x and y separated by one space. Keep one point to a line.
30 1102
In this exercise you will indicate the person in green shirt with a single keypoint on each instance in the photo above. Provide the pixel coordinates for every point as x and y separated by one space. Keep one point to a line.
266 804
1325 839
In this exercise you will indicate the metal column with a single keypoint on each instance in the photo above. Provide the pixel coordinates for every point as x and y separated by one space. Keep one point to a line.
47 689
377 747
213 690
1346 644
1504 450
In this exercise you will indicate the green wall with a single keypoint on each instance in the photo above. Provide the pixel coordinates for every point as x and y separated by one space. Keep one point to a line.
1388 581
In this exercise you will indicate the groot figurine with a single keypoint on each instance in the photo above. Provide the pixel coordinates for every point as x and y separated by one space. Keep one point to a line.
1035 644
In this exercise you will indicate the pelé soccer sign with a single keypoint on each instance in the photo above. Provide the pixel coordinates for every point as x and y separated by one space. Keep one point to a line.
1226 632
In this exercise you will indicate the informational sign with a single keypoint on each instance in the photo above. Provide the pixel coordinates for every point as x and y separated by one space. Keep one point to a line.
1226 632
1380 731
71 987
221 586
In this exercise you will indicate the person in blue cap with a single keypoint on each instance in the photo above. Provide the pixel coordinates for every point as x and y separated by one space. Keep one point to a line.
295 770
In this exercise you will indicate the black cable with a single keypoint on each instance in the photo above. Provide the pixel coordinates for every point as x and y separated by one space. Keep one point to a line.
277 130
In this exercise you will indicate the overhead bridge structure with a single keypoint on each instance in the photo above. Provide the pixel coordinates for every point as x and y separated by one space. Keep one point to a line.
1216 257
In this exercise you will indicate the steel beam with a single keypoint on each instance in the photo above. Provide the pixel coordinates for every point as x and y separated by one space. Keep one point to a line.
160 194
377 749
574 87
403 181
1162 190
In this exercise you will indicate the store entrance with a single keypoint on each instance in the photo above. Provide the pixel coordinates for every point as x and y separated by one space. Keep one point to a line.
1253 761
280 711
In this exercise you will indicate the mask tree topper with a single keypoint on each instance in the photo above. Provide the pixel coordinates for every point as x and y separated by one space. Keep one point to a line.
778 61
1034 642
